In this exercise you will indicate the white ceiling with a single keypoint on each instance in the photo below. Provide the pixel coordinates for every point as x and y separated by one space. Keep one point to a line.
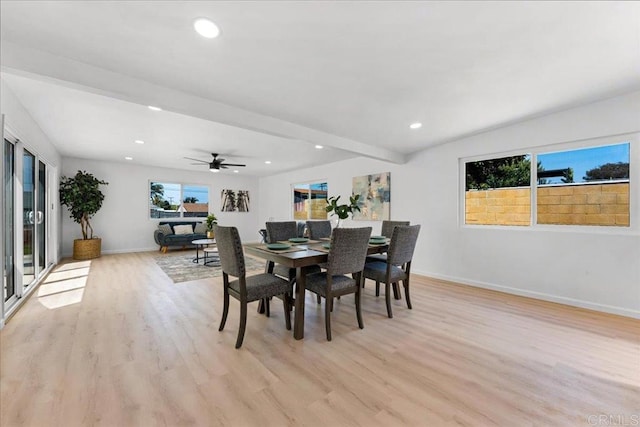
284 76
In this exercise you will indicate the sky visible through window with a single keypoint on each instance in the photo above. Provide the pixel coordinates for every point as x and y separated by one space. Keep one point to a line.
583 160
172 193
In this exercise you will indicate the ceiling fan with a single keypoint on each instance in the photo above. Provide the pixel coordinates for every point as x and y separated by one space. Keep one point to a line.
216 164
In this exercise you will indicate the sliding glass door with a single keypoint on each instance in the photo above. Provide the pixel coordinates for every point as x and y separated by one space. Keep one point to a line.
41 231
25 221
8 213
28 218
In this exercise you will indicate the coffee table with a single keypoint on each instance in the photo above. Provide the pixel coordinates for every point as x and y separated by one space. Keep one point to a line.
201 243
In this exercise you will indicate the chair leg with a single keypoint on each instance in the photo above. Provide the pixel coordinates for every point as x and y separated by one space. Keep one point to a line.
225 310
330 302
267 307
243 323
377 288
387 296
396 291
327 316
286 300
358 310
319 301
405 283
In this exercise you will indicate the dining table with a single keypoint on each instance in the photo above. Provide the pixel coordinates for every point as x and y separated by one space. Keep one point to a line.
301 256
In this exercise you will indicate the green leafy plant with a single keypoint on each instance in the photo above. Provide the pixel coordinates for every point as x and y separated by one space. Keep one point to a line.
81 194
211 219
343 211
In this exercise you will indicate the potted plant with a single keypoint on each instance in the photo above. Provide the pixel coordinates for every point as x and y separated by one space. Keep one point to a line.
342 211
82 196
211 219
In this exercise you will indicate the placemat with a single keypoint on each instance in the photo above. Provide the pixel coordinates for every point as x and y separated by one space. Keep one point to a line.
263 247
319 248
308 242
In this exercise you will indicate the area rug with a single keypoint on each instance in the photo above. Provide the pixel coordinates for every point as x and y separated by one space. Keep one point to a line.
181 268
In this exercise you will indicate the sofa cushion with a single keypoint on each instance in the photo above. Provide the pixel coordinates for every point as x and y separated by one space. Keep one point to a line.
165 229
201 228
178 239
183 229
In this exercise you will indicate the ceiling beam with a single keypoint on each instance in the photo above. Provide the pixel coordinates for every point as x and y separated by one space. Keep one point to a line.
81 76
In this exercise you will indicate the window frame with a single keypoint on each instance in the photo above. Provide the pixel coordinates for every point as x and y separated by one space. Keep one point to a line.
182 185
632 138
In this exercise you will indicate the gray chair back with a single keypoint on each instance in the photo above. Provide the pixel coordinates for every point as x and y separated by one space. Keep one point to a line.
348 250
230 250
319 229
388 226
302 227
403 243
281 230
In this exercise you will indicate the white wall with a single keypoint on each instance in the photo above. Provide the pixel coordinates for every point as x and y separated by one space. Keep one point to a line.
20 123
587 268
123 223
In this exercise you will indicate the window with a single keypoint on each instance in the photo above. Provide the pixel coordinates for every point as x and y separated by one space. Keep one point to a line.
498 191
309 201
582 186
171 200
588 186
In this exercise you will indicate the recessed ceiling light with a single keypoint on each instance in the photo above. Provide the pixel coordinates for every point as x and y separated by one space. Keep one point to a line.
139 141
206 28
319 147
268 162
415 125
153 108
236 171
215 170
128 158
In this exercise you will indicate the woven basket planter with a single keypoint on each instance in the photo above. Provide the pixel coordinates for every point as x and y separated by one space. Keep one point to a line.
87 249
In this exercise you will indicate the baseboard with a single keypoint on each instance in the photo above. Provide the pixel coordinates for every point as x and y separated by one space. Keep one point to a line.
537 295
117 251
126 251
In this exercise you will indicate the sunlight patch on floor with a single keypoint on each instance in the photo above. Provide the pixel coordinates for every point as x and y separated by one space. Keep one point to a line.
65 285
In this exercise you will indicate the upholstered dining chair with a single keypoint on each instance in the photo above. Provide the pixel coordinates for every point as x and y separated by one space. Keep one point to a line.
398 264
347 255
319 229
386 231
281 231
245 288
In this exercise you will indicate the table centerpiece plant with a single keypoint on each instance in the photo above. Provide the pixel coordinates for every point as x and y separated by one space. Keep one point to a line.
344 210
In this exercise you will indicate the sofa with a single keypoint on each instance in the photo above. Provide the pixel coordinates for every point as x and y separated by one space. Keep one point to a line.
179 233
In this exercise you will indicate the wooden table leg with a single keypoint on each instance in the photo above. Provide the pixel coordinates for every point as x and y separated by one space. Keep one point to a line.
298 327
268 268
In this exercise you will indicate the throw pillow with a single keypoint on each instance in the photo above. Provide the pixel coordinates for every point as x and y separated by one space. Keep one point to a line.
201 228
183 229
165 229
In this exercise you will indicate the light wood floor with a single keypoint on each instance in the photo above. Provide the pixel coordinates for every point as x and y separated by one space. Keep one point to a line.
117 343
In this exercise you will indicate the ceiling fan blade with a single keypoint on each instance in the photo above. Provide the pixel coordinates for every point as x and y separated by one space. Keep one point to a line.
197 160
223 167
196 164
234 164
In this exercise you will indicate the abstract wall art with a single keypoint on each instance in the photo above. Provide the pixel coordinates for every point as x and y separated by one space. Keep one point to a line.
375 196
